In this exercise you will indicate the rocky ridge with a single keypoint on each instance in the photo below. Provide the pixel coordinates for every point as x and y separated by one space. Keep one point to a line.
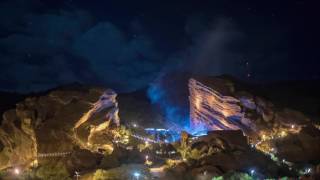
58 122
82 123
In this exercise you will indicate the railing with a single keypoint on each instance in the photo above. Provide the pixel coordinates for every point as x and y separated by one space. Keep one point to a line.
54 154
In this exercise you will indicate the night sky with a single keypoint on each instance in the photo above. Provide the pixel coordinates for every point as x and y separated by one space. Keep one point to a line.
125 45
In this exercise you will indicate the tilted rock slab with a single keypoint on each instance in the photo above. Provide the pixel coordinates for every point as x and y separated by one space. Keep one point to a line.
212 109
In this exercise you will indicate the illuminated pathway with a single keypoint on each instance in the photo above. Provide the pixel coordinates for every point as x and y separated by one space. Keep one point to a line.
143 138
54 154
158 171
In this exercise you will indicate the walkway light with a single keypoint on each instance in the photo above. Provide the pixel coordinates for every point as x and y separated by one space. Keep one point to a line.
252 172
308 170
77 175
16 171
136 175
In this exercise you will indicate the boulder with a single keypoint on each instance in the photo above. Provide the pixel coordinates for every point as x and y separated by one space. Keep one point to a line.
301 147
83 160
180 169
246 100
206 171
288 117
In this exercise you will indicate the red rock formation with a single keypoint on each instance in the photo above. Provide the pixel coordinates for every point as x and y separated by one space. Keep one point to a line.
107 100
57 122
213 109
216 104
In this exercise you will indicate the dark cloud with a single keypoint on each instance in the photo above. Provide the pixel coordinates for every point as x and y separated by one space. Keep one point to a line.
50 49
35 47
131 62
211 50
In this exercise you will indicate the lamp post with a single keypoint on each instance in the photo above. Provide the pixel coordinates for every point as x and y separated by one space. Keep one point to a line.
252 172
135 125
16 171
136 175
77 175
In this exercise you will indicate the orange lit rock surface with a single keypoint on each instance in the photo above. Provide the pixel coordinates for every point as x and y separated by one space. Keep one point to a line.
213 109
56 123
219 104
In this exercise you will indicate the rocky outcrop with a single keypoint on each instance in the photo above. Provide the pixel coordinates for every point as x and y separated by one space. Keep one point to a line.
219 104
83 160
216 103
90 128
220 152
18 140
214 107
57 122
300 148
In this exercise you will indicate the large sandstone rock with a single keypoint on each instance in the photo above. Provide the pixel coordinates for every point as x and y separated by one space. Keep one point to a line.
217 104
220 104
83 160
215 109
57 122
18 140
300 148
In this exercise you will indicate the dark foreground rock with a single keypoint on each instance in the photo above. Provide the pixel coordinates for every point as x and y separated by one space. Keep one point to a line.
220 152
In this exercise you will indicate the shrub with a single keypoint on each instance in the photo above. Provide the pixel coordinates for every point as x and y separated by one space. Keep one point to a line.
50 171
122 173
234 176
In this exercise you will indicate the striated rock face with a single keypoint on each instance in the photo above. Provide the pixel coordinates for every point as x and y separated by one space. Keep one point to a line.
213 109
215 103
57 122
